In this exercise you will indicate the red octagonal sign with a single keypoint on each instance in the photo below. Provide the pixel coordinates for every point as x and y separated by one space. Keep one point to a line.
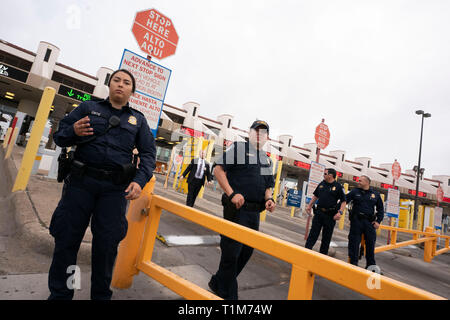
396 170
322 135
155 34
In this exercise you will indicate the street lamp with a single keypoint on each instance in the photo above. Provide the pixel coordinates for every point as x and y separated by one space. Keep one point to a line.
419 171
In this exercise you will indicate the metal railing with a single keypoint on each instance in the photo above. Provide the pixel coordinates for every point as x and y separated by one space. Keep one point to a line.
428 238
135 254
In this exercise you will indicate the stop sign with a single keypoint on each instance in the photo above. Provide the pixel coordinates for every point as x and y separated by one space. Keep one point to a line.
396 170
155 33
440 194
322 135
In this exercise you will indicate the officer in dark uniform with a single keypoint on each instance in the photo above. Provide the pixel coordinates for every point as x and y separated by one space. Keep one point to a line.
245 175
101 180
364 220
329 208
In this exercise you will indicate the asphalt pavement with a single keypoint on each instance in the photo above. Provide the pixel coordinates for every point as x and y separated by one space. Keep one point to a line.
26 248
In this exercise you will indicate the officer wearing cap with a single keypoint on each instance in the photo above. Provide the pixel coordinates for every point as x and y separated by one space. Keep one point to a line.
244 172
329 207
364 220
101 180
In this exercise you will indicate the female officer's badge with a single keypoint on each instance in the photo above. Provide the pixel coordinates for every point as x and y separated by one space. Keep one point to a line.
132 120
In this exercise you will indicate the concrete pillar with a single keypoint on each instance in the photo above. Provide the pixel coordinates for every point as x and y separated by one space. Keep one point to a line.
46 56
101 90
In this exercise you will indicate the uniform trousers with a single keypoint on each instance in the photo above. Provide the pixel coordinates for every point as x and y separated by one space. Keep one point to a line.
324 222
103 204
359 226
234 257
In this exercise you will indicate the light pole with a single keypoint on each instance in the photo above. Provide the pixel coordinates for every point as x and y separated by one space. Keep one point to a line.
419 171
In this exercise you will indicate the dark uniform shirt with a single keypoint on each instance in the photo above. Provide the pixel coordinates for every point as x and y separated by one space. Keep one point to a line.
329 194
365 202
249 171
115 148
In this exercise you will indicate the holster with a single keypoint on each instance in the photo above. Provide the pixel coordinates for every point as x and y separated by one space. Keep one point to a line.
65 160
229 209
126 175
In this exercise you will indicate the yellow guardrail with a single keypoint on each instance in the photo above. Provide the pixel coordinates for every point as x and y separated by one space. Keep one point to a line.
428 237
135 254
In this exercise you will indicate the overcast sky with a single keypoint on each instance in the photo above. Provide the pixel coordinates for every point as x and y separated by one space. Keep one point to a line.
363 66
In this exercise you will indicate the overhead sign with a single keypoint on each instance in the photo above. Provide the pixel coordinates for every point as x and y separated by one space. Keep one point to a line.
155 33
152 80
396 170
315 177
393 203
294 198
74 94
322 135
13 73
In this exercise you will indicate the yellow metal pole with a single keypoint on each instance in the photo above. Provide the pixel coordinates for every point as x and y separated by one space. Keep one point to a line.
277 181
428 248
125 266
209 150
8 133
175 180
35 139
292 211
302 284
342 219
11 143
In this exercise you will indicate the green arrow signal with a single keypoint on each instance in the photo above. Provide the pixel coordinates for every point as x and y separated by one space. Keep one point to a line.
70 93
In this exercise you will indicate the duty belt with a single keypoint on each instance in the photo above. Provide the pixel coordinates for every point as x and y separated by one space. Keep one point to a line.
79 168
254 206
328 211
101 174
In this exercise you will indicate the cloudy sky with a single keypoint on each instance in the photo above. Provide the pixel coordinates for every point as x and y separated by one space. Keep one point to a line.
363 66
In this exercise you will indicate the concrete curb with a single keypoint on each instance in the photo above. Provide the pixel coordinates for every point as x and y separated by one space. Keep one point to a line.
30 231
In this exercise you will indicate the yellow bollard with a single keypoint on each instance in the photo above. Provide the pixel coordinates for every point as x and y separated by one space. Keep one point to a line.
125 266
29 155
342 219
8 133
292 211
11 144
277 181
209 144
428 248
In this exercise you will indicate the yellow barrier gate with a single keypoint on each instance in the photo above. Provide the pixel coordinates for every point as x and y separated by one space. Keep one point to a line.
135 253
428 237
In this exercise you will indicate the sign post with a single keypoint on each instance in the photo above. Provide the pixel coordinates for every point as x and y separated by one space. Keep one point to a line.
315 177
322 137
393 207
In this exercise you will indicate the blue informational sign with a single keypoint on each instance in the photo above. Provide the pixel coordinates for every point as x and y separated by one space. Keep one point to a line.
294 198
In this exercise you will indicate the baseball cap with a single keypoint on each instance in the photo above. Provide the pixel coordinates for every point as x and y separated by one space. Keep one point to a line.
260 123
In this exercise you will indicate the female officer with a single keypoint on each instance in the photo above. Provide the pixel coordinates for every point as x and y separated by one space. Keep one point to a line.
101 180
